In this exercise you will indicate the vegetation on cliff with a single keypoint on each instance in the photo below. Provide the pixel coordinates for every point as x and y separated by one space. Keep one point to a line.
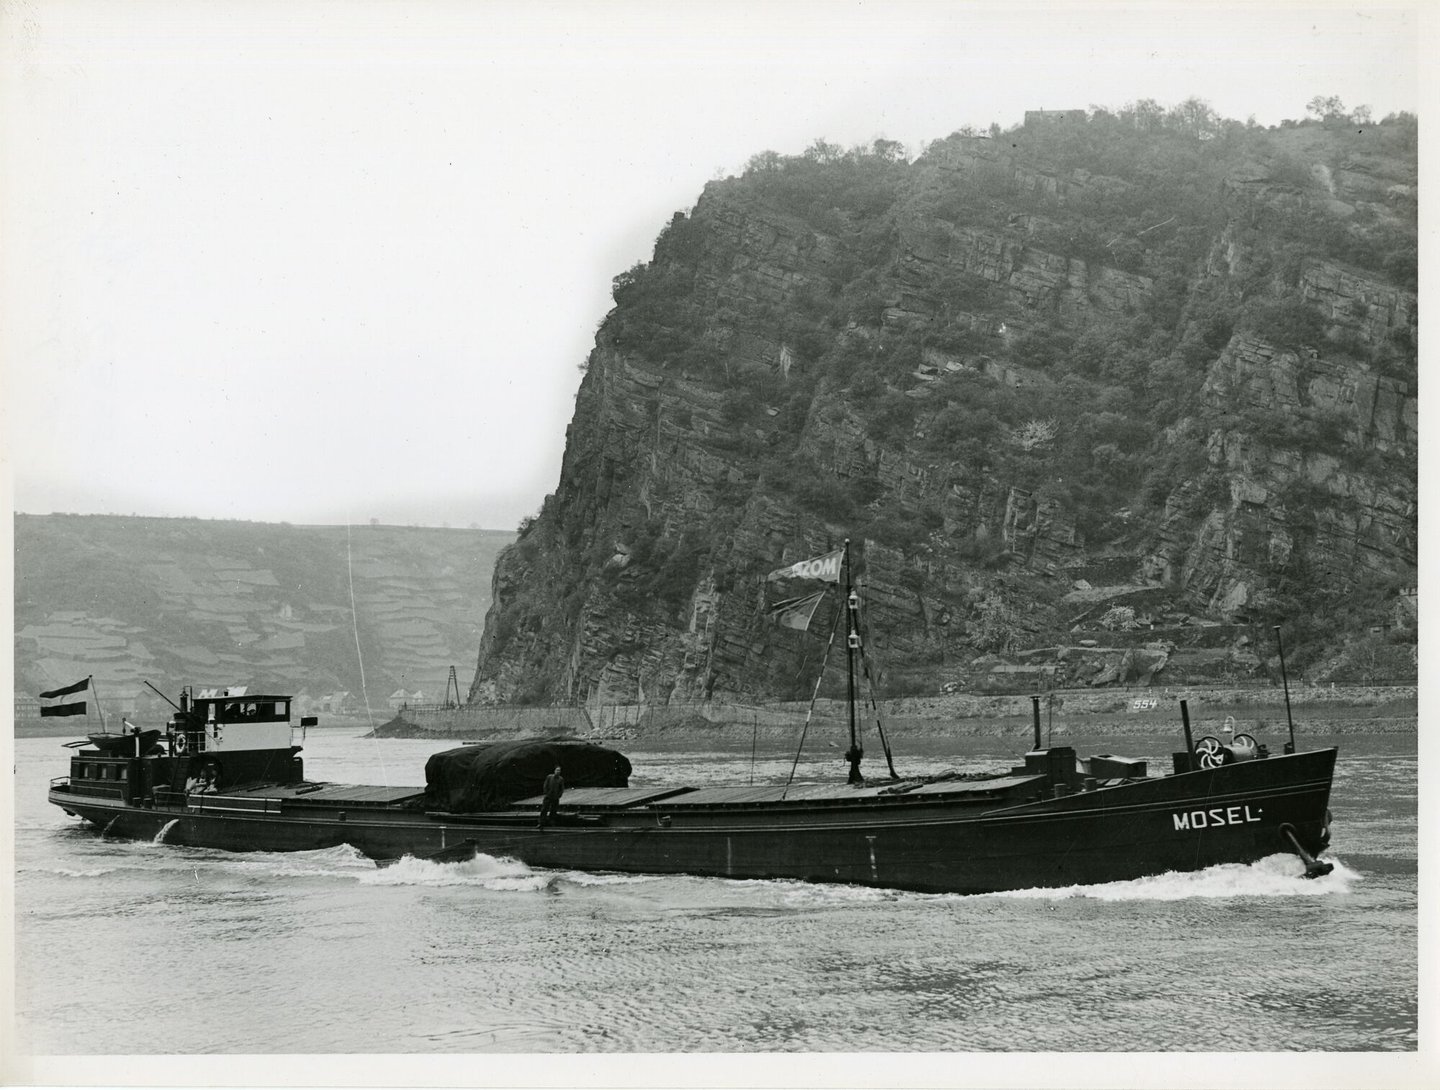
1096 398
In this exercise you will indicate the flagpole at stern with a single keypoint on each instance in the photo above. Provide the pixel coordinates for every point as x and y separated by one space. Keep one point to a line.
99 708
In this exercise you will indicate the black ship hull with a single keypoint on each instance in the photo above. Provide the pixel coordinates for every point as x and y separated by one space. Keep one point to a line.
1022 831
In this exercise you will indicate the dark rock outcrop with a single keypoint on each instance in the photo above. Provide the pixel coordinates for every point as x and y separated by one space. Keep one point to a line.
1171 377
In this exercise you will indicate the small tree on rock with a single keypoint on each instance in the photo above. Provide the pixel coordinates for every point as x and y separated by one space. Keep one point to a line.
1034 434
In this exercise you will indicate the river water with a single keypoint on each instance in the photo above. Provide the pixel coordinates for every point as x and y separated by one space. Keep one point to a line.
320 952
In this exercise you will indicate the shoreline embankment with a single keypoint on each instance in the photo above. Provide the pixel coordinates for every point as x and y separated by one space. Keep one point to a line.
1329 710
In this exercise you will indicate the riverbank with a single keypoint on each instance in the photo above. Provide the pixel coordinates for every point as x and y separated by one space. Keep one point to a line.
1261 712
1068 714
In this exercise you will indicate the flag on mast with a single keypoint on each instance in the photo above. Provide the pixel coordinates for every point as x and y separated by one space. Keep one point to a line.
58 706
796 612
825 567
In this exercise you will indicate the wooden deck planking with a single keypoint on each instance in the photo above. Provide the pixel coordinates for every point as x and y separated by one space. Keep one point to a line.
605 798
359 794
975 787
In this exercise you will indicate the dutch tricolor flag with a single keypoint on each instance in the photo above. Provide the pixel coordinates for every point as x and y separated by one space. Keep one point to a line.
54 702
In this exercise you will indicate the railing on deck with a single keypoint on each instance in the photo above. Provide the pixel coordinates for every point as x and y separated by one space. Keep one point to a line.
235 804
90 789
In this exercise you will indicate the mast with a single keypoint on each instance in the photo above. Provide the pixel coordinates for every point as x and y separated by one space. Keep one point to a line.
852 644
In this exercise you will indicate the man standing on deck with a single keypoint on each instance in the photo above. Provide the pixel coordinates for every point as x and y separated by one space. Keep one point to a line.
554 788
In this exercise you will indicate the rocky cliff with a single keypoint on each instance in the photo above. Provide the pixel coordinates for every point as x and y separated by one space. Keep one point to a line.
1095 405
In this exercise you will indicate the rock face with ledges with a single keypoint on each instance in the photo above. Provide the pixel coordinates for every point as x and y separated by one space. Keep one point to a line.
1004 371
1353 301
1324 488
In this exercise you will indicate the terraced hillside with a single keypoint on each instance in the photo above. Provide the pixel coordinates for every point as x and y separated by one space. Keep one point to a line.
186 601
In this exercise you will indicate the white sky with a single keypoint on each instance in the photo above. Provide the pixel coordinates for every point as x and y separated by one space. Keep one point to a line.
328 261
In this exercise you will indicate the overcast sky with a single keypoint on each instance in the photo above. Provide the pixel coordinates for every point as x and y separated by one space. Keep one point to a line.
329 261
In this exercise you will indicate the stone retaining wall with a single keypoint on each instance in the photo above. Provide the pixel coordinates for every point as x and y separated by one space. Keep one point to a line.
1140 709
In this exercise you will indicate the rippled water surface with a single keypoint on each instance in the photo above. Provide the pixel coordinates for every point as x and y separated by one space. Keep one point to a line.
322 952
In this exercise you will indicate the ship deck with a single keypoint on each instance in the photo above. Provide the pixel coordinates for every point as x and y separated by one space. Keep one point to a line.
612 799
329 794
599 798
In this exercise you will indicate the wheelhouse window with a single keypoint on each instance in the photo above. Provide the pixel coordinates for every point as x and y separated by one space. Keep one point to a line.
265 709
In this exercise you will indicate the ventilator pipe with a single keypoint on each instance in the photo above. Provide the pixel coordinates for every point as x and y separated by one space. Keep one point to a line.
1035 701
1314 868
1185 720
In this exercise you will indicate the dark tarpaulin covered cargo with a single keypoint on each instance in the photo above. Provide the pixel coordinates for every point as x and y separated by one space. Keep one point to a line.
486 777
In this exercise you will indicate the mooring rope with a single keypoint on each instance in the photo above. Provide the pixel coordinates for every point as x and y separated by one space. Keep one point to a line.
874 704
875 707
810 711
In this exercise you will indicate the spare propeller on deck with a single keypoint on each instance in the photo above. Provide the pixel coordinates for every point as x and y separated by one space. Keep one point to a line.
1210 752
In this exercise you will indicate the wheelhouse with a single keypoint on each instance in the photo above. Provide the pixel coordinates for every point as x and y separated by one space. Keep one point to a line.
231 721
213 741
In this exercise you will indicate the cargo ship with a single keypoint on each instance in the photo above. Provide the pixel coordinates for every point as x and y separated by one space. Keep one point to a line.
226 772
